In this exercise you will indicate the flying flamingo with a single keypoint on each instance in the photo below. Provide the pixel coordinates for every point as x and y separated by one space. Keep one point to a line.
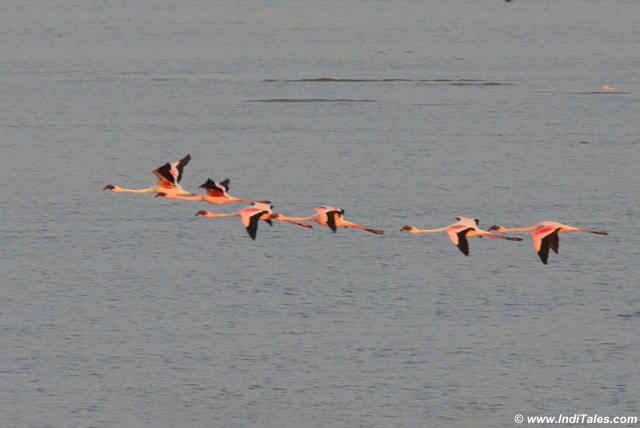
328 217
216 194
169 176
458 232
262 210
545 235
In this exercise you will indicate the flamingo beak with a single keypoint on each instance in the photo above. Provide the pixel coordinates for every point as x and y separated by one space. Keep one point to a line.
108 187
201 212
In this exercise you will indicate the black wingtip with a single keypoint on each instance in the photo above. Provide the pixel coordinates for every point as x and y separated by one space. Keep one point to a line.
463 244
252 233
331 220
544 255
209 184
225 183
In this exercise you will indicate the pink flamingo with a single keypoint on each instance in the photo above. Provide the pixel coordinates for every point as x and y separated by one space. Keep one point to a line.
545 235
216 194
458 232
262 210
168 175
328 217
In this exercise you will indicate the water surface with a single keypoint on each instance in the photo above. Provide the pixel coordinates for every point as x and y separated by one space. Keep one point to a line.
125 310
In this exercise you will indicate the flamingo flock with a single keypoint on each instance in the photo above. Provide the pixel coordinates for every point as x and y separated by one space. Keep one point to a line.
544 234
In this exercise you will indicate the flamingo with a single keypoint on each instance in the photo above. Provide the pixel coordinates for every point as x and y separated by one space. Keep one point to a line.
168 175
458 232
261 210
328 217
545 235
216 194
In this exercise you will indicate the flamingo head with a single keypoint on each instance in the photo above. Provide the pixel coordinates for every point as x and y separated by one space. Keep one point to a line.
160 195
201 212
406 228
109 187
496 228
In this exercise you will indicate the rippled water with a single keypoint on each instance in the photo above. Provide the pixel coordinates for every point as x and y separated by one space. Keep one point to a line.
125 310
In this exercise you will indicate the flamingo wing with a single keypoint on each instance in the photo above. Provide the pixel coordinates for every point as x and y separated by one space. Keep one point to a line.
164 174
214 189
554 242
180 166
324 218
459 239
543 239
225 183
250 218
171 173
331 219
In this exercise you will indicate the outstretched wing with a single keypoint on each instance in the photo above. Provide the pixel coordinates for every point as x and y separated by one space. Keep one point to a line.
542 241
554 242
180 166
459 239
331 219
250 218
225 183
164 173
172 173
463 244
214 189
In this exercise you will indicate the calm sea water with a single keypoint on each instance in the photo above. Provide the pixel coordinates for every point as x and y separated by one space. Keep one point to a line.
124 310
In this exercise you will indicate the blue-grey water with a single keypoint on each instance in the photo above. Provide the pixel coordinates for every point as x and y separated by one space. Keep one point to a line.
125 310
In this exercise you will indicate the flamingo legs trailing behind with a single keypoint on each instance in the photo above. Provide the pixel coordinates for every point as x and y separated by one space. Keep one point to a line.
168 176
328 217
545 235
250 216
458 232
216 194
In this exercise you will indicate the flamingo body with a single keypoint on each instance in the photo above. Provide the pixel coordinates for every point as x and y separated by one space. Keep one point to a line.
168 180
250 216
458 232
545 235
216 194
330 217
